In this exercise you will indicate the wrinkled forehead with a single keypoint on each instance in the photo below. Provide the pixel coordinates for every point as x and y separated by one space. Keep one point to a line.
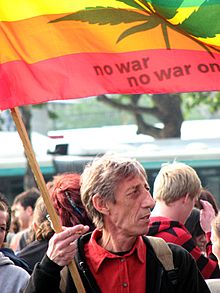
128 171
131 180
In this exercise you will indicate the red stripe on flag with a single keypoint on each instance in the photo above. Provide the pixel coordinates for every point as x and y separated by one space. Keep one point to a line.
91 74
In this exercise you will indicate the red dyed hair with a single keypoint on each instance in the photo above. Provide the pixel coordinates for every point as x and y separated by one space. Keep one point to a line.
64 191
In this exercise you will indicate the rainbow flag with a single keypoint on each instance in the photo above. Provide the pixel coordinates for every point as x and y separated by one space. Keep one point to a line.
65 49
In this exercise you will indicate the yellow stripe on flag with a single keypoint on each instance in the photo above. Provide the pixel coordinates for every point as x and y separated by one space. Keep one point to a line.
13 10
182 14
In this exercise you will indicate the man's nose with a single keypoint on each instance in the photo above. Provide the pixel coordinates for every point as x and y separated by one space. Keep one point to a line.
148 200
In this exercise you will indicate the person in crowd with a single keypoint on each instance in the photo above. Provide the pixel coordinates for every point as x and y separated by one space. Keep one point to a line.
116 256
34 251
192 224
64 191
14 227
214 284
201 238
23 207
5 207
176 189
24 204
13 279
206 195
4 245
215 237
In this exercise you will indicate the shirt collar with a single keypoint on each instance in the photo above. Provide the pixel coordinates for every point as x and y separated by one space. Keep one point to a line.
98 254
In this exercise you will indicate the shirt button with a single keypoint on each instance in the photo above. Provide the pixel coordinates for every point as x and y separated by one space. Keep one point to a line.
122 259
125 285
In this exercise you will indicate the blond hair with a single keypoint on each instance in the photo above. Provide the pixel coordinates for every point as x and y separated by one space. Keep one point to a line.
174 181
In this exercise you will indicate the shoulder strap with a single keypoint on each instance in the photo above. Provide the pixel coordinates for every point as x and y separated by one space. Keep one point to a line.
165 256
63 281
162 251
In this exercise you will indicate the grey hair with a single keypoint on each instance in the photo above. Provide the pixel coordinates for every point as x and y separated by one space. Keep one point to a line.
102 176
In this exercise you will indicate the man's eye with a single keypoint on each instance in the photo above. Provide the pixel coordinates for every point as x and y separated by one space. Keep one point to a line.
133 192
2 229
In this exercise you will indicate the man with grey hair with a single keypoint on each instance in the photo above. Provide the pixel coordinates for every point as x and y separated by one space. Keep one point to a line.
116 256
176 189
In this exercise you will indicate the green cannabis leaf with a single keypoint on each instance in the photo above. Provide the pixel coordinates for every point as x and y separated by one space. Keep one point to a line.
151 23
167 9
204 22
105 15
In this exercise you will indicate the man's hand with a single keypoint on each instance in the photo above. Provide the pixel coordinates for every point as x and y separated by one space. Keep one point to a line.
62 246
207 214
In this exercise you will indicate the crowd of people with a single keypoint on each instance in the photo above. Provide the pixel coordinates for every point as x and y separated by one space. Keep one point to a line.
108 215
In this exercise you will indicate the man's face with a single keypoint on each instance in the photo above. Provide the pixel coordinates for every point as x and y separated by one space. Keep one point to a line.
201 242
130 214
22 214
3 224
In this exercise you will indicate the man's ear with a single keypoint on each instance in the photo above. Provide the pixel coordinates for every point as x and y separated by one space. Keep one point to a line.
186 198
100 205
29 211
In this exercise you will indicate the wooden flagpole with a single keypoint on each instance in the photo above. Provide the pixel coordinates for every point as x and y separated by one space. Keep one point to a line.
43 189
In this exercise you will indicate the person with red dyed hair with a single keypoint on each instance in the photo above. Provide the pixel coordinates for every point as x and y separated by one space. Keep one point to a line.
64 191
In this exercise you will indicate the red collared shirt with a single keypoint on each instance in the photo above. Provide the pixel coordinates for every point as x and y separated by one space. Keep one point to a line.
114 273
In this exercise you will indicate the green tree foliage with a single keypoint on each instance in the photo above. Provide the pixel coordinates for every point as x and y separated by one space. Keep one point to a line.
210 99
157 115
167 110
133 109
147 109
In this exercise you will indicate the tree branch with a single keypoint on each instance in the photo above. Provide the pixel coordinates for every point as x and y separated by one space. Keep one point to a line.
129 107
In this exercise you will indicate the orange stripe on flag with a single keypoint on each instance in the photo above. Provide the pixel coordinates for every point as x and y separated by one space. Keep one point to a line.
37 39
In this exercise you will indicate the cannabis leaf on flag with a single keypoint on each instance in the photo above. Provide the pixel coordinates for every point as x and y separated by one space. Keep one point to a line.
156 13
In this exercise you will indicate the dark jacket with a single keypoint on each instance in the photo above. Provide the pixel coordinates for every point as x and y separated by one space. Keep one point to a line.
46 275
18 261
33 252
